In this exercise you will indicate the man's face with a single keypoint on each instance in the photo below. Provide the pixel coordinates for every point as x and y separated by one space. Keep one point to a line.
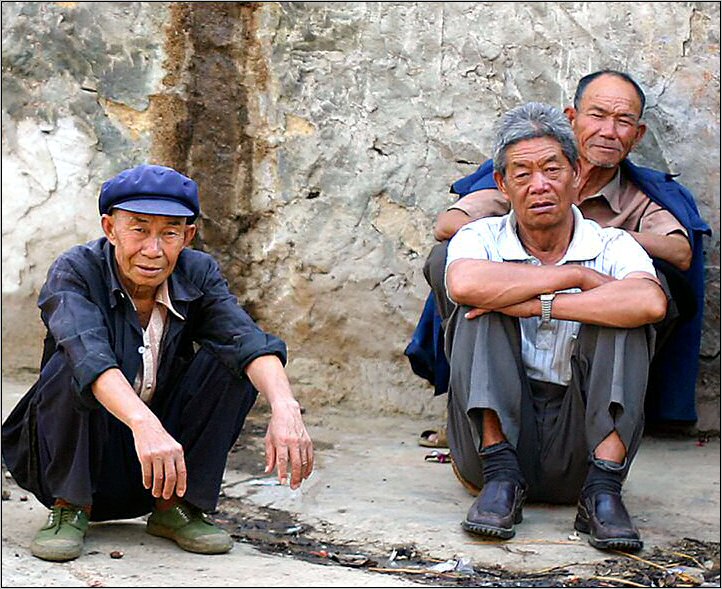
607 124
146 246
539 182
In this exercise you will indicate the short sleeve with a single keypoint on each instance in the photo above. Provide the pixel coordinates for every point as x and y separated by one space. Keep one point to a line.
623 255
482 203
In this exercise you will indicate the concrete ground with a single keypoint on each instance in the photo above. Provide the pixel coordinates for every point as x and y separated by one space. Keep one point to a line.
372 490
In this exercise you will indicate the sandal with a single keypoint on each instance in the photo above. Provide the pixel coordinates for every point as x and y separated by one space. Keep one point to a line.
434 438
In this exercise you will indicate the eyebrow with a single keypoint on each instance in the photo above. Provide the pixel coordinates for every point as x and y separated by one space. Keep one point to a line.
606 112
134 219
527 162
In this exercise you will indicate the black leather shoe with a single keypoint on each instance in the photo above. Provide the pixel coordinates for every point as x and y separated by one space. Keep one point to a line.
497 508
606 520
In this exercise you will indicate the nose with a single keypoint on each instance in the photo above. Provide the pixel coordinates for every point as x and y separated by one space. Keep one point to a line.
538 182
608 127
151 247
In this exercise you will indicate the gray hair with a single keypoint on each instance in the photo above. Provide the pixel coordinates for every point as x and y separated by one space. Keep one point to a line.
529 121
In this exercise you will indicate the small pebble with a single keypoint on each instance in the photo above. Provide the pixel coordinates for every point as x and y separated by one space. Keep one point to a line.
23 497
116 554
5 495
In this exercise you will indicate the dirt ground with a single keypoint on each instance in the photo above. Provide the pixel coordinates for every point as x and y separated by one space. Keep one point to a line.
378 511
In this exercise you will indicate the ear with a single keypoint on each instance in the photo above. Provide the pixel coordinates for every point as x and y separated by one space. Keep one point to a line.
189 232
107 222
577 173
499 179
571 113
641 130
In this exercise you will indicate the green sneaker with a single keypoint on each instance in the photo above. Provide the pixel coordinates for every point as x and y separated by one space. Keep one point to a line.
61 538
190 528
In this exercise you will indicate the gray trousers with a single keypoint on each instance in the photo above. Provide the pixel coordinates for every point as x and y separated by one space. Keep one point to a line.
554 428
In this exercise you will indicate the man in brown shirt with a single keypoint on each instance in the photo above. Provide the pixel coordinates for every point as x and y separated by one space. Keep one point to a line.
606 118
607 121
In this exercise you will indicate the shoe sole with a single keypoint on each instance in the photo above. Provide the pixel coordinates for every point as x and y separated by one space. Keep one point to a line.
55 554
492 531
187 545
623 544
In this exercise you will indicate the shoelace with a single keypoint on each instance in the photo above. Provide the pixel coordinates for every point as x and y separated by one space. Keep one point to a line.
63 515
189 512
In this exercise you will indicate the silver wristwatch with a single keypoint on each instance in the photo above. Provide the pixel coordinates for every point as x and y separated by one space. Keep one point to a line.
546 306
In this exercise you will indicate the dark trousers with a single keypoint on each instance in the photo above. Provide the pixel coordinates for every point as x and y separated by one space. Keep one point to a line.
554 428
55 449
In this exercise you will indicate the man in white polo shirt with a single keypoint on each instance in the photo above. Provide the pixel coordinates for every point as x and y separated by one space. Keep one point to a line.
548 344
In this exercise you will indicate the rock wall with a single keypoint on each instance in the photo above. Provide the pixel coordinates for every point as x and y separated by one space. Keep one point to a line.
324 137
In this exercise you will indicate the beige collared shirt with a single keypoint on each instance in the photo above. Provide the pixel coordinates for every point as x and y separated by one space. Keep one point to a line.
145 381
619 204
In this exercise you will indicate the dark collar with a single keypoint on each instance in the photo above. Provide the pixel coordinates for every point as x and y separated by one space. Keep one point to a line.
182 290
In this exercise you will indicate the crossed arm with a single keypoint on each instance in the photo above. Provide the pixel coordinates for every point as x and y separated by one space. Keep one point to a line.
673 248
513 288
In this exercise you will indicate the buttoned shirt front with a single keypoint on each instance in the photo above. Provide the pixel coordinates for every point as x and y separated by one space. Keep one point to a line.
547 347
145 381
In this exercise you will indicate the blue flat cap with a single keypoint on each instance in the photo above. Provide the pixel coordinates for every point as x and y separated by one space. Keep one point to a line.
152 190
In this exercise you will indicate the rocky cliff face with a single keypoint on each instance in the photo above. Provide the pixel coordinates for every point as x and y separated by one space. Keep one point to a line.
324 138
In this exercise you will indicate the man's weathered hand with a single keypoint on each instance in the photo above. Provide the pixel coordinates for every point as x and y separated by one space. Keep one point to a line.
161 459
475 312
592 279
288 444
528 308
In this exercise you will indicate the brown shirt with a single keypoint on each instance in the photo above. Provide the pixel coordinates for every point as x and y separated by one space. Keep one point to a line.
619 204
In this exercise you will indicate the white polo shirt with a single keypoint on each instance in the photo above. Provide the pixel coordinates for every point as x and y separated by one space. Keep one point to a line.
547 348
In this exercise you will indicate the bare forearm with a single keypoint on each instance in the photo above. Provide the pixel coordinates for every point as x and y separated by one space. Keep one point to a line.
627 303
673 248
288 445
161 457
494 285
115 394
269 377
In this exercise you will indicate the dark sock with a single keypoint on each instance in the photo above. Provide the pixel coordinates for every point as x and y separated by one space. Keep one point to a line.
500 462
604 475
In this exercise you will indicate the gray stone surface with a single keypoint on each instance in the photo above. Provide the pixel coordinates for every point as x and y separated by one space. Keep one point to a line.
373 490
324 137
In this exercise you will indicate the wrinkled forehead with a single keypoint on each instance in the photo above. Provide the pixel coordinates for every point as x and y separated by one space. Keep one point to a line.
147 219
536 150
612 93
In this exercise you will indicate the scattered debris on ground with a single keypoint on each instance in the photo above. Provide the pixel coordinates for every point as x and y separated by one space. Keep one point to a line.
688 563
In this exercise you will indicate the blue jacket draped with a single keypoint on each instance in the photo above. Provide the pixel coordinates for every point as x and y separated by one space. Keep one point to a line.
676 364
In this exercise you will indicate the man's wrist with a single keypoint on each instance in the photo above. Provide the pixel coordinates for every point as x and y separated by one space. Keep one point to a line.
546 306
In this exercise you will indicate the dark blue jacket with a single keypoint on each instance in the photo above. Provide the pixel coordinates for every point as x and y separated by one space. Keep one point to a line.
91 320
677 363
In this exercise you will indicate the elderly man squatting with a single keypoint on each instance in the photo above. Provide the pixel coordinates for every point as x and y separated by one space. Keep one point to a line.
548 343
149 369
